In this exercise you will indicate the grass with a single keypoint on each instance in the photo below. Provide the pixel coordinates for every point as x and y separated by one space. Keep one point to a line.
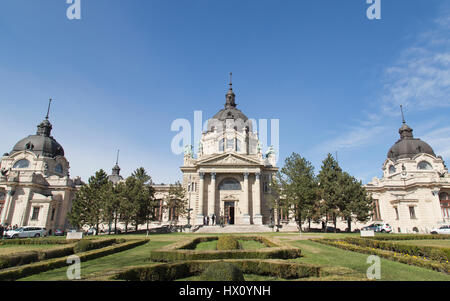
445 243
316 253
11 249
246 245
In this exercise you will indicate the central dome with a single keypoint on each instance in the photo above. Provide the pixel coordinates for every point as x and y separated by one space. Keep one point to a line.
42 144
408 146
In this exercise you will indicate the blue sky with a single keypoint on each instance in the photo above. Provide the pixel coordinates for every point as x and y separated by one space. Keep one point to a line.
127 69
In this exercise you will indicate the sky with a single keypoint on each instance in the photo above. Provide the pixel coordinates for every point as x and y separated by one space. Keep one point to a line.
122 74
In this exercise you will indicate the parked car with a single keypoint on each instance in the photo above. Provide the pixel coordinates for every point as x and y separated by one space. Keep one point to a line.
91 231
379 227
24 232
59 232
331 229
441 230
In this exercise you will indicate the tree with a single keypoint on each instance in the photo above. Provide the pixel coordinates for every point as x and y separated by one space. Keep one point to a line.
329 177
141 175
176 201
89 201
299 187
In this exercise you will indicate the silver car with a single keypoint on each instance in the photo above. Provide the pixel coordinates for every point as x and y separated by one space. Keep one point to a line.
25 232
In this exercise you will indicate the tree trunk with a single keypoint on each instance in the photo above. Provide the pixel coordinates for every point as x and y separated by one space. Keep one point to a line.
349 223
115 224
335 222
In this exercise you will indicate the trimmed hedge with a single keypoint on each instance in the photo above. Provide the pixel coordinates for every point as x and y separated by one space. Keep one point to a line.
43 266
27 257
227 242
177 255
222 271
402 258
409 236
173 271
88 244
191 245
36 241
434 253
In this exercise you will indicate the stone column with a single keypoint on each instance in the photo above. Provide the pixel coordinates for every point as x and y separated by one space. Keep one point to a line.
6 205
246 216
257 217
200 199
212 197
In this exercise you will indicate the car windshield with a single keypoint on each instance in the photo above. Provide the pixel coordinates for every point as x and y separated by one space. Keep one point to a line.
19 229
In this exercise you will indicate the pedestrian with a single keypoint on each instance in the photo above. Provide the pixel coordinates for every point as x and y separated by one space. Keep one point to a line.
1 231
213 219
207 221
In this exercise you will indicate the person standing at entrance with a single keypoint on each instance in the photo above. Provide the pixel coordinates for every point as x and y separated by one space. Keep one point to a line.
207 220
213 218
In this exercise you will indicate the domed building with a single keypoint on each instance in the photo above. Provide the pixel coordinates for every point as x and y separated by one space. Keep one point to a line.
230 176
35 188
413 193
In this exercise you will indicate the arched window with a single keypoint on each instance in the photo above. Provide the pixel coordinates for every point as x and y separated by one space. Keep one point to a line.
229 184
238 145
59 168
221 145
424 165
24 163
443 196
392 169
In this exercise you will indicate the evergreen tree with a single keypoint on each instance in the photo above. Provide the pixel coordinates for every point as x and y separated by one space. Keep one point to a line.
141 175
329 178
299 187
176 201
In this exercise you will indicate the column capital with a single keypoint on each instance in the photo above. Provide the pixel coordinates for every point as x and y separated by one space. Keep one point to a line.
246 175
258 175
202 175
213 175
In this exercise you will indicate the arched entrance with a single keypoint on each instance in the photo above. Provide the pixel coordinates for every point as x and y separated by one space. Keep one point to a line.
229 211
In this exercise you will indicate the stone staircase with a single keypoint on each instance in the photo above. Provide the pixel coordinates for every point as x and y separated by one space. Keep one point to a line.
239 229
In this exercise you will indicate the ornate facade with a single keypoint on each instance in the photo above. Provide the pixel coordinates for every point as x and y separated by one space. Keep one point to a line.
35 188
230 177
413 194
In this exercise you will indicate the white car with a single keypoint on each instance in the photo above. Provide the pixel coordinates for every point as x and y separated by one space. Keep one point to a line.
379 227
441 230
25 232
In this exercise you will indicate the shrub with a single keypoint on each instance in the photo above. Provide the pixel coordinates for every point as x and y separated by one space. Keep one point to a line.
227 243
222 271
88 244
408 236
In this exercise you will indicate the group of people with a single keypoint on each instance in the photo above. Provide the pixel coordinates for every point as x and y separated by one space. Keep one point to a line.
3 229
214 220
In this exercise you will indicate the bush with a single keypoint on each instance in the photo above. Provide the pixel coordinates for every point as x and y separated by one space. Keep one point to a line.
222 271
183 269
227 243
36 241
88 244
408 236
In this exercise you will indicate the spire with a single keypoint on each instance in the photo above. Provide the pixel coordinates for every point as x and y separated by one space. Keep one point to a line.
405 131
45 127
230 96
116 168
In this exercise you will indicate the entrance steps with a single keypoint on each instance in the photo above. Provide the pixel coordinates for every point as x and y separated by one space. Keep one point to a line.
239 229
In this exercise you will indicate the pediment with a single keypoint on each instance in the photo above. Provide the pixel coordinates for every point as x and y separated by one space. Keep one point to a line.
229 159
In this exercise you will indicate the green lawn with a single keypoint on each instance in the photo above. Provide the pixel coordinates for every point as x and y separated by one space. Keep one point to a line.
316 253
11 249
246 245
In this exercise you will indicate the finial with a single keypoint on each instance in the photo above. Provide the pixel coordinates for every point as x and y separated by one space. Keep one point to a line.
403 116
48 110
117 159
231 77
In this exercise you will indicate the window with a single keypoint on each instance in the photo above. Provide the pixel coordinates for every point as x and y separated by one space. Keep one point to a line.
412 212
59 168
221 145
35 214
396 213
230 184
22 164
392 169
230 143
238 145
376 211
173 214
424 165
53 214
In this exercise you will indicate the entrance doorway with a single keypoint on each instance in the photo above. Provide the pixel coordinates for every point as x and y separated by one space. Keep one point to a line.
229 213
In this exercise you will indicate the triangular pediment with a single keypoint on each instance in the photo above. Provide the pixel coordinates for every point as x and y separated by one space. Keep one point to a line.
229 159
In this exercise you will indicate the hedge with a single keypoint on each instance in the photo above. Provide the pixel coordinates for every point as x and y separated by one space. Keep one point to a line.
42 266
434 253
88 244
36 241
222 271
177 270
402 258
409 236
225 243
192 244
